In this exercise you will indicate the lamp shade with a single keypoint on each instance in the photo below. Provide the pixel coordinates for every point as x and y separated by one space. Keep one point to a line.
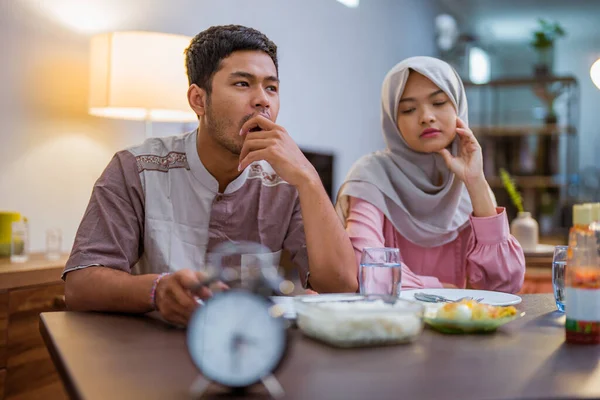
139 76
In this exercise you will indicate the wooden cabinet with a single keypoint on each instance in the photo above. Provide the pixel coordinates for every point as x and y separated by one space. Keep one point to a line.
3 339
26 370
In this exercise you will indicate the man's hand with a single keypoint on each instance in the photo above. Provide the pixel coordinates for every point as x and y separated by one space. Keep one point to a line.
273 144
173 298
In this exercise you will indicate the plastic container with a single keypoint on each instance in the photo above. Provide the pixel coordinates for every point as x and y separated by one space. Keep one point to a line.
364 321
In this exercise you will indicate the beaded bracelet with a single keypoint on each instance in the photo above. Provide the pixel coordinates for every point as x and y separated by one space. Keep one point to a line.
154 286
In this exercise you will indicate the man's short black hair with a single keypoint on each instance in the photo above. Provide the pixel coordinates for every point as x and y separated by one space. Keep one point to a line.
203 56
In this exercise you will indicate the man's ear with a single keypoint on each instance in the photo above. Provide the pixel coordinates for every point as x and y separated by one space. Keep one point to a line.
197 97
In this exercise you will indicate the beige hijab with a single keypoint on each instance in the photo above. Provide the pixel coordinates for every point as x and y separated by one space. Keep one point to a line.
404 184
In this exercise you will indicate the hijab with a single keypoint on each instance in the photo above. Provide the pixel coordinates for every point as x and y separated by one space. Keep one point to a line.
404 184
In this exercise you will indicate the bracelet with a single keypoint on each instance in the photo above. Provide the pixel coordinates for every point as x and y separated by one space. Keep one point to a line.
154 286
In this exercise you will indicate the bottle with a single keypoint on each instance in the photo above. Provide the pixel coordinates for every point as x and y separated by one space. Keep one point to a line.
582 284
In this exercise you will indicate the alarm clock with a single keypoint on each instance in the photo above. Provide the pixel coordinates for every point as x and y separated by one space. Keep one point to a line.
238 337
236 340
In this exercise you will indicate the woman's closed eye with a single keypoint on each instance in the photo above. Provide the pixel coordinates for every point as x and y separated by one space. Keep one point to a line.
440 103
407 111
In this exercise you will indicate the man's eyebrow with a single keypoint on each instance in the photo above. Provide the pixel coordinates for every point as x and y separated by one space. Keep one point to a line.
242 74
249 76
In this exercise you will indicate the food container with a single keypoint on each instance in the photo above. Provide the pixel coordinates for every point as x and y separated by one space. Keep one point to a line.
362 321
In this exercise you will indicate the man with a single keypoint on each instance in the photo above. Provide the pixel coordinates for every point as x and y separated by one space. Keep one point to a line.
160 207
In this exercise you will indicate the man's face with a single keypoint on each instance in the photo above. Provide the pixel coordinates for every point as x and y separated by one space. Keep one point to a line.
246 85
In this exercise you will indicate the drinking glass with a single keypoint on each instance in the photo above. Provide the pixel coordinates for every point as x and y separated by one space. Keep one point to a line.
559 261
53 243
19 242
380 272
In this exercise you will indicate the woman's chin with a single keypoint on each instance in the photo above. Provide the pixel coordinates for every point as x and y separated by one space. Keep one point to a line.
434 146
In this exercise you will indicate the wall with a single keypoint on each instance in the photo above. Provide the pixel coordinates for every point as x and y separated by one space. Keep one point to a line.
332 62
576 57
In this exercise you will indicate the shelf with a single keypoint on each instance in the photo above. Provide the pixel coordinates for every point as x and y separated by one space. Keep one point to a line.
523 81
528 182
521 130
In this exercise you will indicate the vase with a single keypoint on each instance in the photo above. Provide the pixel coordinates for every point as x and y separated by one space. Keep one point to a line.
526 230
545 62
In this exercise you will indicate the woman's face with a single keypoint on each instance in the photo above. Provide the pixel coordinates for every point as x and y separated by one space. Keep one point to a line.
426 116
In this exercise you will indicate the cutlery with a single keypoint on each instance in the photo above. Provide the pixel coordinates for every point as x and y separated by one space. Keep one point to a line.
434 298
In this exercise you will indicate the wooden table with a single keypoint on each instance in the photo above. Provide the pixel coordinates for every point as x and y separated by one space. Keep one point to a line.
102 356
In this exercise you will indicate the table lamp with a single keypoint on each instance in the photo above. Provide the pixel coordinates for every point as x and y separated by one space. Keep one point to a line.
139 76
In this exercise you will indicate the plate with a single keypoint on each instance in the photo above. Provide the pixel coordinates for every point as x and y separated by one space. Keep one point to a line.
489 297
287 302
472 326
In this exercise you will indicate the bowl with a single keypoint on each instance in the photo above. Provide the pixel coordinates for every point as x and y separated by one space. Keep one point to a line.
360 321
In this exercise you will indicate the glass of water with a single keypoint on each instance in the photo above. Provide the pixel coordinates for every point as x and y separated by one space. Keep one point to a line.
19 242
559 260
380 272
53 244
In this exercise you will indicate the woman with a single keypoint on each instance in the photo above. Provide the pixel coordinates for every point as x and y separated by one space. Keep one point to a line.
426 194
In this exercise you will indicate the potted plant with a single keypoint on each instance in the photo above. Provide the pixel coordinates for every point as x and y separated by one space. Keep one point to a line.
524 228
543 44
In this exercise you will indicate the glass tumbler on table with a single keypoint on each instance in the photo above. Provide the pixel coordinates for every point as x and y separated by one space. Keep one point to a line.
559 261
380 272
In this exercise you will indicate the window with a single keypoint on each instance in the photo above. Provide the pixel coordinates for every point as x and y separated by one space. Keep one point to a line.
479 66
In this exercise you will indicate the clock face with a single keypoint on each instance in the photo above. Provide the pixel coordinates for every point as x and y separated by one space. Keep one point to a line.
234 341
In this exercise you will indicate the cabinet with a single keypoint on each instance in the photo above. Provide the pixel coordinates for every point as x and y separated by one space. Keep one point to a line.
528 126
26 290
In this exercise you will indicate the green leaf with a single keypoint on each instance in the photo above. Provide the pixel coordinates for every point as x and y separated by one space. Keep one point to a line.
510 187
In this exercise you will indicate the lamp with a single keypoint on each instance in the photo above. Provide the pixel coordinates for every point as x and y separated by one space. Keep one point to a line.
139 76
595 73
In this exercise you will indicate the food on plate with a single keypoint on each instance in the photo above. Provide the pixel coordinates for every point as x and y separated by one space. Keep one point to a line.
470 310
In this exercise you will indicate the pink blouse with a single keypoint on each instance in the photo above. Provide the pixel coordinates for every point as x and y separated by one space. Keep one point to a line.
484 255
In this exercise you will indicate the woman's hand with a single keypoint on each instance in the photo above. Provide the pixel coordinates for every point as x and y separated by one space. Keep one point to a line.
467 165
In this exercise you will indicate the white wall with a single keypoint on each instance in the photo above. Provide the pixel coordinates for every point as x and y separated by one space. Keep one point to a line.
575 57
332 62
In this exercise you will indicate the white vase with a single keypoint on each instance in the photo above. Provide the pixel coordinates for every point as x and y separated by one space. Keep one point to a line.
525 229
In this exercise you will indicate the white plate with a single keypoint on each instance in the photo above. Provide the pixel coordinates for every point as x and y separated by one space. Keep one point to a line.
489 297
287 302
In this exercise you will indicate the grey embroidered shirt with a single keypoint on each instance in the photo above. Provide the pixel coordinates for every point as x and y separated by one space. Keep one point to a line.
157 209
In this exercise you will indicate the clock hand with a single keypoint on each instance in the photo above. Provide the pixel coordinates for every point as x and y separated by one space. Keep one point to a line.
236 342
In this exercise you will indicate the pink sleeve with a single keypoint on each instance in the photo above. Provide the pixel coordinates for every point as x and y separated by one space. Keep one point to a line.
495 259
365 227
